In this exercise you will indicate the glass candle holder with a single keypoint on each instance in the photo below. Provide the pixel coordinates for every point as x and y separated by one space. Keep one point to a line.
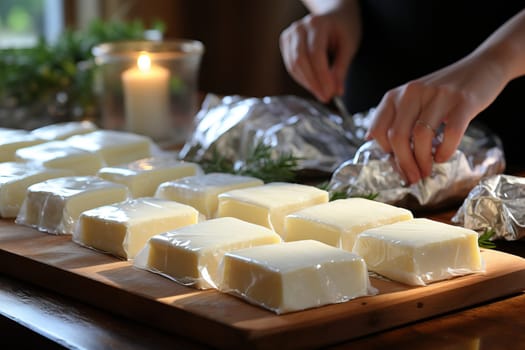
149 87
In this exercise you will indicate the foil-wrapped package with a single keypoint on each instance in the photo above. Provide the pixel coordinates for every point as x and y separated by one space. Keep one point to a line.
233 125
497 203
334 147
371 172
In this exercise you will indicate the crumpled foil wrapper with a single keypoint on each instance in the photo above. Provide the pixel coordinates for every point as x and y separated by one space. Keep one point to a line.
497 203
332 146
233 125
371 172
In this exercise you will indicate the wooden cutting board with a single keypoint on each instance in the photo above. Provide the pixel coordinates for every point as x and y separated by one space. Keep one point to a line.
224 321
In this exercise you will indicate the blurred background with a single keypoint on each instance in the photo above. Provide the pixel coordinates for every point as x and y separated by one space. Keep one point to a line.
241 37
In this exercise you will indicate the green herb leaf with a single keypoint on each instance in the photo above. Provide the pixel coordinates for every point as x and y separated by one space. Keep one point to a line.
484 239
260 163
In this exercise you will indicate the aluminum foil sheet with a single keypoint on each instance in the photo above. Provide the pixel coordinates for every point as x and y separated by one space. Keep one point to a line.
371 172
334 147
497 203
233 125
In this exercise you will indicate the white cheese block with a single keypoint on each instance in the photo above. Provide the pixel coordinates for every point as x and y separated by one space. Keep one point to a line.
115 147
61 155
269 204
420 251
10 141
338 223
54 205
61 131
294 276
191 255
143 176
122 229
15 178
202 191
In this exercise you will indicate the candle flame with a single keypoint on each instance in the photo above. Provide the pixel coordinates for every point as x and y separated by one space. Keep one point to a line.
144 62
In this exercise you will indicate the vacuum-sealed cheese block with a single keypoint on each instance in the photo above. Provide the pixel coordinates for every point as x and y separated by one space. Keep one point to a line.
202 191
10 141
15 178
61 155
61 131
54 205
122 229
268 205
191 255
115 147
337 223
294 276
420 251
143 176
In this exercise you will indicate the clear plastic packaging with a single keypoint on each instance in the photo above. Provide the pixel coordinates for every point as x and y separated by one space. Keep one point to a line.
420 251
61 131
54 205
15 178
143 176
294 276
122 229
202 191
191 255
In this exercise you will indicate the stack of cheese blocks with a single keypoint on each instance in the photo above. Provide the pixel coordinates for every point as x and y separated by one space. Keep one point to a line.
281 246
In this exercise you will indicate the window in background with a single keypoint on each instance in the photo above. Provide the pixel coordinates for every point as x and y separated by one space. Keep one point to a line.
23 22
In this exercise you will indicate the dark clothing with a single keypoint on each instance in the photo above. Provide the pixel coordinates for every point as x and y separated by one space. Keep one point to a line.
406 39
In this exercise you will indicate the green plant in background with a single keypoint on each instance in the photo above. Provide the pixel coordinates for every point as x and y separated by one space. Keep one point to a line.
59 77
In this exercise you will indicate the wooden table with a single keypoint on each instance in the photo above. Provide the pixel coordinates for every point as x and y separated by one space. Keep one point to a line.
39 318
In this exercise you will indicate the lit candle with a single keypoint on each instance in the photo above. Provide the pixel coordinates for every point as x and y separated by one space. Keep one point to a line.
146 99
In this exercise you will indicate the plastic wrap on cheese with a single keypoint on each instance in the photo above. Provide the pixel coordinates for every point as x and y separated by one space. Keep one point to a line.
12 140
61 131
55 205
143 176
62 155
122 229
294 276
338 222
268 205
115 147
15 178
202 191
420 251
191 255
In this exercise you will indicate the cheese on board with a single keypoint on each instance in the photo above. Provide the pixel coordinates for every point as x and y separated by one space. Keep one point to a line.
115 147
61 155
202 191
15 178
338 223
191 255
122 229
143 176
54 205
268 205
294 276
61 131
10 141
420 251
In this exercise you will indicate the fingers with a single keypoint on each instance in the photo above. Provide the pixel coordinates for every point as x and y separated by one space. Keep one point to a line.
305 47
406 122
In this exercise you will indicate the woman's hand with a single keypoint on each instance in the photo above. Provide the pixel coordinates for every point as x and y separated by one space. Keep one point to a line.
318 48
406 120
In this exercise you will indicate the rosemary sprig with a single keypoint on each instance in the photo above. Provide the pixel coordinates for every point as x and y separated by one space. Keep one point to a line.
334 195
484 239
217 164
259 163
